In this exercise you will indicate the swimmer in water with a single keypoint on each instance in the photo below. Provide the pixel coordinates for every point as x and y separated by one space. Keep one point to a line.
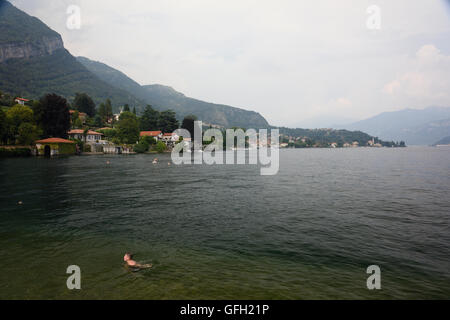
128 258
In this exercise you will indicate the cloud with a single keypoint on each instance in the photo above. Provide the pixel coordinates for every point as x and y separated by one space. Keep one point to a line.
427 80
285 59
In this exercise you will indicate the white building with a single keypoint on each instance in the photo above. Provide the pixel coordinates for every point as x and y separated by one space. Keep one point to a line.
91 136
21 101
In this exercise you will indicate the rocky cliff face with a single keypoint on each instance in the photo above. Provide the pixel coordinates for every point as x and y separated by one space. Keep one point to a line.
26 50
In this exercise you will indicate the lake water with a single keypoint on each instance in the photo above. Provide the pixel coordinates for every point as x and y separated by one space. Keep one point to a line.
225 232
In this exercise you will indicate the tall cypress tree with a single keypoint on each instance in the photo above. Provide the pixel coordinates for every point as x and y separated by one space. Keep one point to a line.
150 119
53 116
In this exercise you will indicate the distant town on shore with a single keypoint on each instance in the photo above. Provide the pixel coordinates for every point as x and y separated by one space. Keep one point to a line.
53 126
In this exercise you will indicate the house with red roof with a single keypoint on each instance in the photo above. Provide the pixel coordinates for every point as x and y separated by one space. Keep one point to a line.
21 101
157 135
55 146
170 139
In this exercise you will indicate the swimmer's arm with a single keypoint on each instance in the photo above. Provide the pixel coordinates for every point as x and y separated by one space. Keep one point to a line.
144 266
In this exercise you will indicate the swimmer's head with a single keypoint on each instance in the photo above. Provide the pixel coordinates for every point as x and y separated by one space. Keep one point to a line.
127 257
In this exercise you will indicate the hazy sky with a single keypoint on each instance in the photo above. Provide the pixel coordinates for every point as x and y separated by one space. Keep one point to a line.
289 60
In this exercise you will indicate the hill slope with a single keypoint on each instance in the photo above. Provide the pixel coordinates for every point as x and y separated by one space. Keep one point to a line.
223 115
163 97
415 127
445 141
33 62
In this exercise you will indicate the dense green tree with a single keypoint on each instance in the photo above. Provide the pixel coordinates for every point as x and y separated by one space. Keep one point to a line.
53 116
134 110
141 147
102 112
126 108
17 117
150 119
76 121
109 134
84 103
160 147
98 121
27 134
168 122
128 128
105 111
77 124
109 110
144 144
6 100
3 127
148 140
19 114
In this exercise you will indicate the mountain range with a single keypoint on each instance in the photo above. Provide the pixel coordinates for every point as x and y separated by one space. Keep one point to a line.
163 97
34 61
415 127
444 141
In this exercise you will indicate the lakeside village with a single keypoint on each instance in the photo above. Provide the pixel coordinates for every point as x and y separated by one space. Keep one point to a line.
51 126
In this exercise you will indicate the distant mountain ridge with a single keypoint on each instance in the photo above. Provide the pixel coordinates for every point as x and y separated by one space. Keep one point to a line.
33 62
445 141
415 127
164 97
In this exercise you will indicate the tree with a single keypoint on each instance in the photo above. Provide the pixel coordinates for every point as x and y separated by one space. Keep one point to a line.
109 133
19 114
3 127
53 116
77 124
109 110
85 134
15 117
168 122
144 144
128 128
134 110
102 112
98 121
149 119
189 124
27 134
141 147
148 140
160 147
126 108
84 103
105 111
6 100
